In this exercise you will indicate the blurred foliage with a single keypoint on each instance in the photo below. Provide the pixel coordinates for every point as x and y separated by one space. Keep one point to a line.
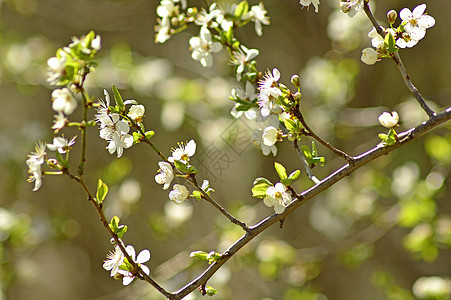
375 235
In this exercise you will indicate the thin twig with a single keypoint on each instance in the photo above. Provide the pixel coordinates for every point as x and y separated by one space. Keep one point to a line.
297 113
192 180
397 60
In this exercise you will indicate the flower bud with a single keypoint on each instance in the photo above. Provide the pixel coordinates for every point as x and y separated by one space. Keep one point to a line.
296 81
369 56
291 137
297 97
391 16
389 120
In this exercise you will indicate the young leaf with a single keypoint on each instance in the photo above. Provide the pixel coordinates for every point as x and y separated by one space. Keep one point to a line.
293 176
241 9
391 43
281 171
202 255
259 190
102 191
262 180
210 291
150 134
118 99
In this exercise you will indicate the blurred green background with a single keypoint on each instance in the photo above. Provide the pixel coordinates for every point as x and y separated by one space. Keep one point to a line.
371 236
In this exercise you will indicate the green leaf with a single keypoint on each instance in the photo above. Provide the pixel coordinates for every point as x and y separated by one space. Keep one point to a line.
114 223
137 137
121 230
290 125
259 189
312 157
229 35
281 171
202 255
181 166
150 134
391 43
61 160
382 136
314 151
241 9
102 191
307 153
197 195
118 99
293 176
262 180
210 291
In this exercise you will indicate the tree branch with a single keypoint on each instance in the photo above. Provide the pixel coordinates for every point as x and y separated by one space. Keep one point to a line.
305 196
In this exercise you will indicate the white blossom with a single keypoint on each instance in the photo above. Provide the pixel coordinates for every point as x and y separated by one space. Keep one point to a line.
136 112
351 7
269 92
56 68
59 122
96 43
206 19
258 15
203 46
61 144
165 9
114 260
277 197
34 162
110 122
406 40
166 174
179 193
432 287
258 141
377 41
183 152
308 2
119 142
369 56
163 30
389 120
143 257
241 58
270 136
63 101
416 22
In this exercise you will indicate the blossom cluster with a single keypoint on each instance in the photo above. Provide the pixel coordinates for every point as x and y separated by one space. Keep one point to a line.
112 128
411 30
216 24
119 266
181 160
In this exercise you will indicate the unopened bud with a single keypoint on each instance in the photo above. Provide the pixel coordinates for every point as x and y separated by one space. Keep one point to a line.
391 16
295 80
291 137
297 96
344 7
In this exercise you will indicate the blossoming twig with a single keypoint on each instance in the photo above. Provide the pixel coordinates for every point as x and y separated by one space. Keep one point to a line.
117 240
397 59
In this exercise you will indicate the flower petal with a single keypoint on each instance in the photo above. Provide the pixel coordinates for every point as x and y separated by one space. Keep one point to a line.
143 256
